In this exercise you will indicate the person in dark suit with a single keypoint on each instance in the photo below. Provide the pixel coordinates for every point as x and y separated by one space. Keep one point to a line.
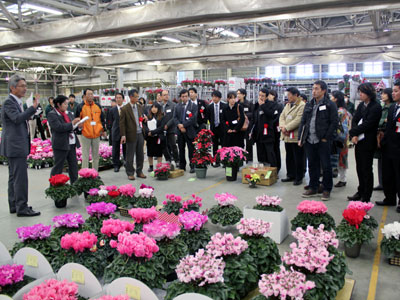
363 135
108 120
15 145
185 118
115 132
63 138
273 96
248 108
131 131
390 145
201 109
233 120
214 115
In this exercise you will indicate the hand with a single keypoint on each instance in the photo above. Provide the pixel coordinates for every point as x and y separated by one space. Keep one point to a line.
183 129
283 129
149 134
80 126
379 138
324 140
180 126
104 134
35 103
145 118
123 140
299 144
354 140
165 127
76 120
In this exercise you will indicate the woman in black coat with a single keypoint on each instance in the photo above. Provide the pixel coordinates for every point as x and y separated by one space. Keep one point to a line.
273 96
233 120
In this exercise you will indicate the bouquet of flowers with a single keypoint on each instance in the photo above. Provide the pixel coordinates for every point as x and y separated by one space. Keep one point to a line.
268 203
194 235
142 216
66 223
162 171
88 179
366 206
312 213
60 190
53 289
225 213
231 156
191 204
390 244
99 212
252 179
146 197
12 279
173 204
202 149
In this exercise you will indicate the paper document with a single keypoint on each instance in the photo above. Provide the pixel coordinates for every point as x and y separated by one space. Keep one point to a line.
82 121
152 124
29 101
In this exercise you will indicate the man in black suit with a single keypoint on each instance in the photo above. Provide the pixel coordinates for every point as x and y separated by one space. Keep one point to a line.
185 118
364 129
115 133
248 108
15 145
214 115
168 109
201 109
391 153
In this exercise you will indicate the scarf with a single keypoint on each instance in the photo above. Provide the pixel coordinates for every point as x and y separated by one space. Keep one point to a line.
64 115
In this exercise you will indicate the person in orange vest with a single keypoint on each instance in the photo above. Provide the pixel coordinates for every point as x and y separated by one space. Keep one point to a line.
92 129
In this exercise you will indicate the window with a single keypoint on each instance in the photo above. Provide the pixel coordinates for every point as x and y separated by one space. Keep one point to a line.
373 67
273 71
337 69
304 70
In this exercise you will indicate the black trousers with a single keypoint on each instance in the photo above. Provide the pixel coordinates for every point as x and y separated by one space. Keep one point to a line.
60 156
116 152
391 178
217 139
183 141
249 147
17 184
319 155
364 161
40 128
171 150
277 150
266 153
294 161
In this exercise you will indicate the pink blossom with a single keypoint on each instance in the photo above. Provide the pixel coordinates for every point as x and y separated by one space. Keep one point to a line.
127 190
173 198
366 206
79 241
225 199
139 245
266 200
10 274
227 244
146 192
312 207
159 230
88 173
252 227
34 232
53 289
113 227
316 237
143 215
68 220
192 220
100 209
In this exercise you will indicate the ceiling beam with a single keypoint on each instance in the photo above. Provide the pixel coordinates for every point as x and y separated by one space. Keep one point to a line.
68 7
274 31
46 57
15 24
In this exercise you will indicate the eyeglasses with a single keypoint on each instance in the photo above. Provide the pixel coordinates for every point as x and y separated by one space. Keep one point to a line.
21 86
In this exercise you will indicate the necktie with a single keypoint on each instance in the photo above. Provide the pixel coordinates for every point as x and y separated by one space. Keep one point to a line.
216 115
396 111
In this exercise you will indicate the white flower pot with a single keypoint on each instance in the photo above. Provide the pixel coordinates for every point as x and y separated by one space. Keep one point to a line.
280 222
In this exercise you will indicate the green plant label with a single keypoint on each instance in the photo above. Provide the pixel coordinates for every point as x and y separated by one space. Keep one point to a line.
78 276
132 291
228 171
32 260
268 175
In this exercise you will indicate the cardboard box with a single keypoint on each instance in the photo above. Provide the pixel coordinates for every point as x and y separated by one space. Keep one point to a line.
176 173
268 175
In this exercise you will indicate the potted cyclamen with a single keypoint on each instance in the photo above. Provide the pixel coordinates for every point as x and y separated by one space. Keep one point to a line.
142 216
99 212
352 232
12 279
390 244
201 273
173 204
312 213
66 223
88 179
191 204
127 197
146 197
194 234
365 206
64 290
225 212
232 159
202 152
60 190
162 171
268 209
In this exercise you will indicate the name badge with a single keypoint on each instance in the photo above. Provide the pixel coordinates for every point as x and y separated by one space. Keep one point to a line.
246 109
261 112
275 112
360 122
202 107
220 111
322 107
398 124
188 112
93 123
234 122
168 111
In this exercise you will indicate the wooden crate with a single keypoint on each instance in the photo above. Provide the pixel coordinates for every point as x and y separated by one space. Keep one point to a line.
268 175
395 261
176 173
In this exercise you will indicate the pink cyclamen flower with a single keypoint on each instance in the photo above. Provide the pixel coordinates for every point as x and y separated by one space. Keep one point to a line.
366 206
79 242
226 244
113 227
192 220
10 274
143 215
34 232
100 209
68 220
266 200
253 227
88 173
159 230
53 289
139 245
127 190
225 199
316 237
312 207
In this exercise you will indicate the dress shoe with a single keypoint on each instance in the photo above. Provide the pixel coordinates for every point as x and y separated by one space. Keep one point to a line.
326 196
13 210
378 188
116 169
297 182
309 193
141 175
340 184
191 170
150 169
289 179
131 177
306 187
383 203
398 209
355 197
28 212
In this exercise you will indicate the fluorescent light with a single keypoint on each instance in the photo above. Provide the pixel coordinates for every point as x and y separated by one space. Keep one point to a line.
105 54
78 51
44 9
229 33
154 63
170 39
195 44
389 46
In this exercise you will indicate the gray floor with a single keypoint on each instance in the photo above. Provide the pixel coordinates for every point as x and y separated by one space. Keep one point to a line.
388 281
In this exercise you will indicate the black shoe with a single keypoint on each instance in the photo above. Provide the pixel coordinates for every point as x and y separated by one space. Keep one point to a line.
378 188
297 182
150 169
320 189
191 170
383 203
398 209
28 212
13 210
355 197
116 169
287 179
340 184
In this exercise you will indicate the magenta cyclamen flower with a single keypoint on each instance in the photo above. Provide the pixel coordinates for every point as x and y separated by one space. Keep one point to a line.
68 220
10 274
252 227
201 267
172 198
192 220
120 297
159 230
139 245
266 200
366 206
225 199
194 201
93 192
312 207
319 237
227 244
143 215
88 173
100 209
127 190
53 289
79 241
285 284
35 232
113 227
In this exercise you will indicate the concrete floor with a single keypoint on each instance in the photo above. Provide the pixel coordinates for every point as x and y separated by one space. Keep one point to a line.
388 280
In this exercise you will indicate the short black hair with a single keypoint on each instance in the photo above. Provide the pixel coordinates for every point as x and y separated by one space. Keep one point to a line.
339 98
50 98
85 91
368 89
193 89
243 92
132 92
293 91
231 95
71 96
60 99
183 91
264 91
144 100
397 83
216 94
389 91
304 96
322 85
122 95
273 93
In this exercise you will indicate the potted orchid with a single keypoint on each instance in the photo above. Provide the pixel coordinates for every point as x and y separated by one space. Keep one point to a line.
173 204
202 152
142 216
146 197
66 223
99 212
162 171
60 190
194 234
88 179
263 249
225 212
201 273
54 289
390 244
353 232
312 213
12 279
232 159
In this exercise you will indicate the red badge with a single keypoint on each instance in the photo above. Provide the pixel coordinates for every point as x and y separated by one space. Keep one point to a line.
265 129
190 115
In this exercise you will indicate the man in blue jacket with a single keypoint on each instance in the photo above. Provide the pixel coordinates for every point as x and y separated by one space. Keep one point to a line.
316 133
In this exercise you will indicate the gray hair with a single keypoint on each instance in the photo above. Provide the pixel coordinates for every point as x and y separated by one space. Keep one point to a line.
14 81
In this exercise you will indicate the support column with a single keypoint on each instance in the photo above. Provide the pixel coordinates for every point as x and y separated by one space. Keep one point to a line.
228 73
120 79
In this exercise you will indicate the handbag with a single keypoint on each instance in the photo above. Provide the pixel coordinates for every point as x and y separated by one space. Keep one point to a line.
246 120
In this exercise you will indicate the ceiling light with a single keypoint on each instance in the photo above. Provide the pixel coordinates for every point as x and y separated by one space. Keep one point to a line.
389 46
230 33
41 8
195 44
154 63
78 51
105 54
170 39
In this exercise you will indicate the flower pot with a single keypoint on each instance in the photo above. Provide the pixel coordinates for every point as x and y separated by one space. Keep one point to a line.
201 172
352 252
61 203
162 177
231 173
252 185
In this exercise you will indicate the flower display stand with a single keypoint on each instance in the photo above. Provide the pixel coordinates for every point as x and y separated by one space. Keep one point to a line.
280 222
35 264
5 256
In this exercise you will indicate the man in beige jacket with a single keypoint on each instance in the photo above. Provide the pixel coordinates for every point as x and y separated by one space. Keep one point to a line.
289 123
